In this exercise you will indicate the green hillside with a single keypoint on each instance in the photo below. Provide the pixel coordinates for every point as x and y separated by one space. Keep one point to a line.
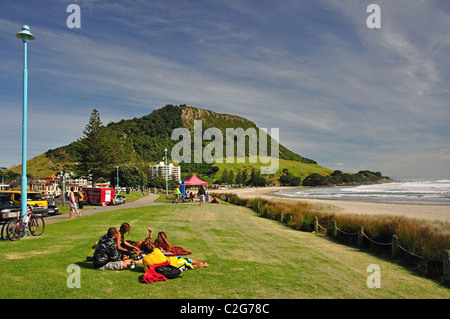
144 139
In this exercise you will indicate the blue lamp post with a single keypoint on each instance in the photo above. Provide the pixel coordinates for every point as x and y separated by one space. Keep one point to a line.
166 168
117 168
26 36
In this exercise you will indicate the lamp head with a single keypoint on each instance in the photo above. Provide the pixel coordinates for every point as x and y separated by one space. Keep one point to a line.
25 34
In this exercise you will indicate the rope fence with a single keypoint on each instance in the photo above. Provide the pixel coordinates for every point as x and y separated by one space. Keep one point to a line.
437 268
395 246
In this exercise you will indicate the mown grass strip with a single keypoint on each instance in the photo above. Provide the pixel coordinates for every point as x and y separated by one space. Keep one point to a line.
249 257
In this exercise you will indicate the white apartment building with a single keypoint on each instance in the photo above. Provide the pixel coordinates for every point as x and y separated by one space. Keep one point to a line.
173 172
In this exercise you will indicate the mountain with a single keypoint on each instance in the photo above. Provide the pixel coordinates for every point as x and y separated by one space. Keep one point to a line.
144 140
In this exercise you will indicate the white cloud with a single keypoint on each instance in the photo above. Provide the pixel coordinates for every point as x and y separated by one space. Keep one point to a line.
338 91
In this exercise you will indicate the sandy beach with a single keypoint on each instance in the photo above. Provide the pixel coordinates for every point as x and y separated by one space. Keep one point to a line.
417 211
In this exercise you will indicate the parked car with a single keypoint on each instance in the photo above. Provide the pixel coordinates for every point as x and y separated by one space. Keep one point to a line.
34 199
7 208
53 210
120 199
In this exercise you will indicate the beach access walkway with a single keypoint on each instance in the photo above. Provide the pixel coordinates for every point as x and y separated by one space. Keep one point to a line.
89 210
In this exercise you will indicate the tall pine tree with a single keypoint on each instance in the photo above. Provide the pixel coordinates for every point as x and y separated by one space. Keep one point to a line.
99 150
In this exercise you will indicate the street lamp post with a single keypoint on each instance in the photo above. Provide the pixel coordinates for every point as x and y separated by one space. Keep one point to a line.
3 170
26 36
166 168
117 167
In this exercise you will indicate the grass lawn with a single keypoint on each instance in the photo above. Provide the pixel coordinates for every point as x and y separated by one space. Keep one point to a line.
249 257
132 196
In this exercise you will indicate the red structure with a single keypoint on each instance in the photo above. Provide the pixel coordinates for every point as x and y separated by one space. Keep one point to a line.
194 180
98 196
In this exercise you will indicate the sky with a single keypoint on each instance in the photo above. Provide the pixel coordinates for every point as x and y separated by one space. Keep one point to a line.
345 95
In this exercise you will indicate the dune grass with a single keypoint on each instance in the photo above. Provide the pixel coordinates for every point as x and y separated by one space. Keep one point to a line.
249 257
423 245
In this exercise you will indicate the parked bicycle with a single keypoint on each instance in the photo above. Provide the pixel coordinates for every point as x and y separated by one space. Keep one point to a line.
34 224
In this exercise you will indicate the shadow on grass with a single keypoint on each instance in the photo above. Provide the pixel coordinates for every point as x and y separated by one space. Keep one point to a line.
89 265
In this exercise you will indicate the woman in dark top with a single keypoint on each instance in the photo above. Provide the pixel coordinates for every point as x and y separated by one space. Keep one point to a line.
126 248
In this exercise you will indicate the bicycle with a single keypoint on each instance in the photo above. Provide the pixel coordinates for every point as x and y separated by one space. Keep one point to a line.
17 228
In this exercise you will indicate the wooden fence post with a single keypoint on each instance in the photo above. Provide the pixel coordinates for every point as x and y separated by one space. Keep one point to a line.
334 229
394 248
316 225
360 235
446 264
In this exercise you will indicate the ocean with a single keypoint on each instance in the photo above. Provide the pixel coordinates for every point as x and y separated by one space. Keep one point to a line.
411 192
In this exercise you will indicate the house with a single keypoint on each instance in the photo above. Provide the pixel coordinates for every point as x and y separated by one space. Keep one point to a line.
46 185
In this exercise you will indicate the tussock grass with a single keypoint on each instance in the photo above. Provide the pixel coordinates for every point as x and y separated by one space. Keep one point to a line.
423 245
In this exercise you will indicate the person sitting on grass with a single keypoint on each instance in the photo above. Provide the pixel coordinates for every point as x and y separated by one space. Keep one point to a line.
140 244
154 256
215 200
126 248
162 243
166 248
106 255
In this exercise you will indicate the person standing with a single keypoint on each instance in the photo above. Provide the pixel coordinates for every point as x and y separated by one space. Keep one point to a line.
177 194
80 200
201 195
72 202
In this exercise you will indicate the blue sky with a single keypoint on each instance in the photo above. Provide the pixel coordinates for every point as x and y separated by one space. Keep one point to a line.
347 96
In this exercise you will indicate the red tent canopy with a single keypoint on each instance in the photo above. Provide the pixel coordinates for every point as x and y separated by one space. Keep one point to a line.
194 180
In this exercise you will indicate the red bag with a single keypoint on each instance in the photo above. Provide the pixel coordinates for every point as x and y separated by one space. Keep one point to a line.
151 275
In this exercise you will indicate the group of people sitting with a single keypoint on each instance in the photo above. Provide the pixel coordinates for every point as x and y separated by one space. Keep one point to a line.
113 252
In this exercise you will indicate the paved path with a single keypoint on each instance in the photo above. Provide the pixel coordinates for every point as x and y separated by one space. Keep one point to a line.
89 210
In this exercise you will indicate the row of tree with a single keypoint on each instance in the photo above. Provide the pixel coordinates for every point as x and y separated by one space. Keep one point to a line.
335 178
339 178
242 177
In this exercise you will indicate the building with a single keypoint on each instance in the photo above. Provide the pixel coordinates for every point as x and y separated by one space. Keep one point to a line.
46 185
53 185
173 172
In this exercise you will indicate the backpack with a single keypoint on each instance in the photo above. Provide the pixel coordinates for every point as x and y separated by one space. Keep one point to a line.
169 271
68 195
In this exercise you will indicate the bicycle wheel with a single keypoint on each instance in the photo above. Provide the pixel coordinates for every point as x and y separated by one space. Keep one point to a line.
4 230
36 225
14 229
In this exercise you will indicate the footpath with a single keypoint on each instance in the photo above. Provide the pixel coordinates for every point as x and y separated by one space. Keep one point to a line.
89 210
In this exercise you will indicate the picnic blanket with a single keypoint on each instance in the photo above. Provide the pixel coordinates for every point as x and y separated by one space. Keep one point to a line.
177 251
